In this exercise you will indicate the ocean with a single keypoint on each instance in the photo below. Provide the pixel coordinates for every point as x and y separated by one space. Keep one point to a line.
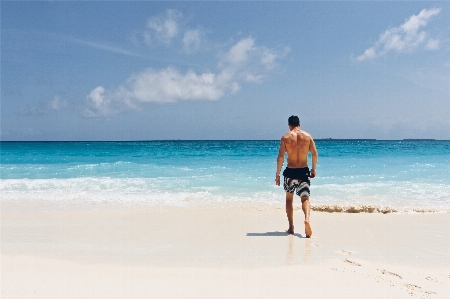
352 175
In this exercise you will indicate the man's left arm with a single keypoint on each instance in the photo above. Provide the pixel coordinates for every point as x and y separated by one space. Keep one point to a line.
315 157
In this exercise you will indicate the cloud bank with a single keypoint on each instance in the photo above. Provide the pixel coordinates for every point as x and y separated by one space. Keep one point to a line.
406 37
244 61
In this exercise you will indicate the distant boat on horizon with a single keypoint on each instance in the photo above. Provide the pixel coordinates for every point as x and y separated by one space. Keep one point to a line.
418 139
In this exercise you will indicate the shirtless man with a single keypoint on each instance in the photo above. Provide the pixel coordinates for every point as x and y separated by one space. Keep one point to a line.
297 144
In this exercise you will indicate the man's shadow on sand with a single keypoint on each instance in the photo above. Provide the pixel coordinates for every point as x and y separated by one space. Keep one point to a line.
274 234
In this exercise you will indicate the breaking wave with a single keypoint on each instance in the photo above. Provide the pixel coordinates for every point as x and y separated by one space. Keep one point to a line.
172 191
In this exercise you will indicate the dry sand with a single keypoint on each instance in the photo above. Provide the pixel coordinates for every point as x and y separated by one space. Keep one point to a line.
120 251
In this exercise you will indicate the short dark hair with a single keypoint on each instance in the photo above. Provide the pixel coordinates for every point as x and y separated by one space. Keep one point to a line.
293 121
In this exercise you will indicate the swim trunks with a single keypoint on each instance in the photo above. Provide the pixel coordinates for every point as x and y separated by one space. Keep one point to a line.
297 180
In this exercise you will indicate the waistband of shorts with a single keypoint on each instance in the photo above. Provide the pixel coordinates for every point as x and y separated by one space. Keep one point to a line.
296 173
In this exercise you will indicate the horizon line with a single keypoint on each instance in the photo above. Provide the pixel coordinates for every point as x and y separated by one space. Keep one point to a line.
215 140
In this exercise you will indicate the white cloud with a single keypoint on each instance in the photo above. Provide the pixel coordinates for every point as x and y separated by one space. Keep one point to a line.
404 38
99 103
243 62
169 28
192 41
57 103
164 27
268 58
368 54
254 78
239 53
164 86
432 44
170 85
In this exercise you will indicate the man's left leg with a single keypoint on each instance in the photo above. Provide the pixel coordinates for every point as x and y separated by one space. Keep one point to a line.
306 207
290 212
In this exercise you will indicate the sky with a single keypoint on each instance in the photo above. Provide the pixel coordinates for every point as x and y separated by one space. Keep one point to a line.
186 70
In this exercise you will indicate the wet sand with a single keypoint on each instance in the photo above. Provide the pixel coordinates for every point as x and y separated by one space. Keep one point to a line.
122 251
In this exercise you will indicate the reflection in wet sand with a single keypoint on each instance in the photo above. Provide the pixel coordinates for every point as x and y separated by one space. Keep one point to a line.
308 247
290 256
290 251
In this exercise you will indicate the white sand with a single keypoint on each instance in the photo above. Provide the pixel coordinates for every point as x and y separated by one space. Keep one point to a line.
117 251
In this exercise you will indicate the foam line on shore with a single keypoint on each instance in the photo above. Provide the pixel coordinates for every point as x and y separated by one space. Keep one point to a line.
371 209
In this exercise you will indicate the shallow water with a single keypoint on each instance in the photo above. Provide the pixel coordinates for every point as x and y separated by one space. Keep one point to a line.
396 175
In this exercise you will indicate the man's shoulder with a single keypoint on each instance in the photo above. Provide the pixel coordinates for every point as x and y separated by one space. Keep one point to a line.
306 134
287 136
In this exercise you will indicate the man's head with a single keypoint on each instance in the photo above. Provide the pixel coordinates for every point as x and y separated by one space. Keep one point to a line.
293 121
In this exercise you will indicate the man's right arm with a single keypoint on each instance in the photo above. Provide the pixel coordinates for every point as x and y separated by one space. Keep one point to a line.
280 161
315 157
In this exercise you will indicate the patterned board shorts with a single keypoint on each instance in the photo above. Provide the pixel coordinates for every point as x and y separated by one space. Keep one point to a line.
301 188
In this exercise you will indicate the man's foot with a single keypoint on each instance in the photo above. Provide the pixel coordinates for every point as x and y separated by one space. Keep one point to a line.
308 230
290 231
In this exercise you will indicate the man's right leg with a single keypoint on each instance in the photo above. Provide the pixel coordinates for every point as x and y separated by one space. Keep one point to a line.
290 212
306 207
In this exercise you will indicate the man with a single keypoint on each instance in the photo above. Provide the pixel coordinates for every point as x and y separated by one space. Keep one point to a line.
297 144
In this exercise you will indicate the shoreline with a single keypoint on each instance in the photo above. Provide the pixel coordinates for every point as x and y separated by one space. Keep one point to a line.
142 251
81 204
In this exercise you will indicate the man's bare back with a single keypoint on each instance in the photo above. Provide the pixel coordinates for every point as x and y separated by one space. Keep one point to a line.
297 143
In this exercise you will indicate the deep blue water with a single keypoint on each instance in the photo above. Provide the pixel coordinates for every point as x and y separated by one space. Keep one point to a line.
398 174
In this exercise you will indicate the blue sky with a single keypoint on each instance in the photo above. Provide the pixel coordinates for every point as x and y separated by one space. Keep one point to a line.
224 70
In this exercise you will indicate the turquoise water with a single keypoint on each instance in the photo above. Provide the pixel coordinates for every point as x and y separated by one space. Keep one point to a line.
402 175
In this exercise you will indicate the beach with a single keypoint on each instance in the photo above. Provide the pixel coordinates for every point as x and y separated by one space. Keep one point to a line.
151 149
222 251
